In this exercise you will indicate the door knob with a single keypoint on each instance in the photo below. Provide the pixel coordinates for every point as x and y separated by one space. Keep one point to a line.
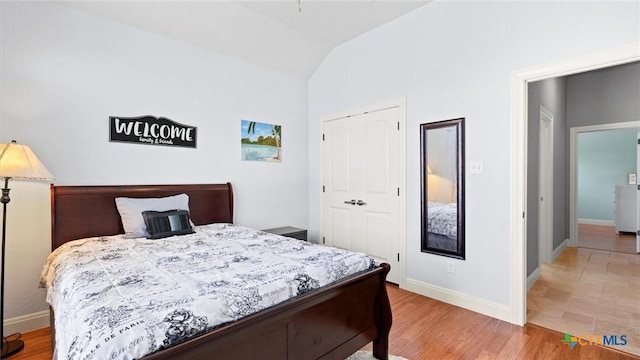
360 203
352 202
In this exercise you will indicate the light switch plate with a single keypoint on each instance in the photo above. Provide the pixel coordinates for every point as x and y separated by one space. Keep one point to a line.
632 179
477 167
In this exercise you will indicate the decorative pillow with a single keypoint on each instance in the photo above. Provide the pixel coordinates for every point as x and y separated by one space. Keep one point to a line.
131 209
162 224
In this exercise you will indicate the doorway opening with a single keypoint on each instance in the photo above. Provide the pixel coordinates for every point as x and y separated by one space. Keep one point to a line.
597 152
520 80
611 264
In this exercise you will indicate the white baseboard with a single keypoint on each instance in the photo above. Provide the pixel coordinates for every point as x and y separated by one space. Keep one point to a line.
25 323
557 251
489 308
531 279
597 222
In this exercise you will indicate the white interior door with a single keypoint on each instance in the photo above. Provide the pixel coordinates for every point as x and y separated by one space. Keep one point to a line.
361 186
340 221
545 191
379 194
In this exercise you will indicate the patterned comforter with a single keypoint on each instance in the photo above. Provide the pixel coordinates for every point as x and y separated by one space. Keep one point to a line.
443 219
118 298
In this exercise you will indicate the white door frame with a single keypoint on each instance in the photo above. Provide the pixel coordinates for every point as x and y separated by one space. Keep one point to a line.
573 169
519 82
638 195
400 103
545 190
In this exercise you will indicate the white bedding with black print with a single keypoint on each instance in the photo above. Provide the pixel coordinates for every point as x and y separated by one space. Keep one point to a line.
443 219
118 298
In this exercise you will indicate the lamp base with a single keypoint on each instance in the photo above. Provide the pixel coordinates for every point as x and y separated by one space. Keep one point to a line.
10 347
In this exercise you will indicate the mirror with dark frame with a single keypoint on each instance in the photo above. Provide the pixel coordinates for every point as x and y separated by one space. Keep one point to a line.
442 188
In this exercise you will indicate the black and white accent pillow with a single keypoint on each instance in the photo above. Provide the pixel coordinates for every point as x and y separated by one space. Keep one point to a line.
162 224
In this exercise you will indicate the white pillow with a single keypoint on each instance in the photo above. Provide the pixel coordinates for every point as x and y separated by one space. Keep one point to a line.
131 209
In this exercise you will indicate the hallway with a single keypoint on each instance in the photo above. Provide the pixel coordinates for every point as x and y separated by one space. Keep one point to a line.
589 292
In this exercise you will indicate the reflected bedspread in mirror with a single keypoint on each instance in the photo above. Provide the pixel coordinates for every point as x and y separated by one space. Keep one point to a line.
442 185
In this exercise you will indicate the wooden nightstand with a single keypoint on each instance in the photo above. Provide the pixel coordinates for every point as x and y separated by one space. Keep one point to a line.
289 231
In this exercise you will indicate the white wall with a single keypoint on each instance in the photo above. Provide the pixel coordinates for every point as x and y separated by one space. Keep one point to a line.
64 72
455 59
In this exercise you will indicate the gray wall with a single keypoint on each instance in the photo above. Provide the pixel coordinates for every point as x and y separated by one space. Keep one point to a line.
604 96
609 95
551 94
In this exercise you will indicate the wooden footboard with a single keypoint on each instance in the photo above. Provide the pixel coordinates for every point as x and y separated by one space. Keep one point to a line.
331 323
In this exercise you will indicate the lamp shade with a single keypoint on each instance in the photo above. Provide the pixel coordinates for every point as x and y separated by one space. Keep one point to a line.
19 162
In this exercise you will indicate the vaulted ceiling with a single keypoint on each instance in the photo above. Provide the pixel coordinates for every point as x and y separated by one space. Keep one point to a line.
273 34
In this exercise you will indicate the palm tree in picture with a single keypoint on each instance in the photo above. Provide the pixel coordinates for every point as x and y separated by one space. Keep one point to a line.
277 134
276 131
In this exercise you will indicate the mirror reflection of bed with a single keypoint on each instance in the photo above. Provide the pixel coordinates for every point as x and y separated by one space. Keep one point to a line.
442 226
442 213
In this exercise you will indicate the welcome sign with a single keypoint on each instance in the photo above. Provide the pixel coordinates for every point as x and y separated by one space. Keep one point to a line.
152 131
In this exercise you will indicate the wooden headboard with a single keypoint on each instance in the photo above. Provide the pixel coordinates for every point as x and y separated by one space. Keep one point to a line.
85 211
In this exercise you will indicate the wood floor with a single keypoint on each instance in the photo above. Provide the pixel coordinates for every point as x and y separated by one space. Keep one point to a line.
605 238
424 328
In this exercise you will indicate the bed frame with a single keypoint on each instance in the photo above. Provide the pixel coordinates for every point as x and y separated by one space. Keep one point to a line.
329 323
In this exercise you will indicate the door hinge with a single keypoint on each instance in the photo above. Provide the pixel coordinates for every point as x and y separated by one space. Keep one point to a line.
523 214
322 137
322 188
398 257
323 240
398 125
398 191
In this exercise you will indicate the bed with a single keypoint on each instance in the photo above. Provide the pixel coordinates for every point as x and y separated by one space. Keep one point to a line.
442 225
330 322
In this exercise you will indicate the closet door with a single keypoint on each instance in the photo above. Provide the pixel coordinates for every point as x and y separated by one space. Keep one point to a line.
361 190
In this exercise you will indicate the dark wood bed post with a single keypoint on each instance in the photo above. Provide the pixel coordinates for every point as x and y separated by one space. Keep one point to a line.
381 344
230 201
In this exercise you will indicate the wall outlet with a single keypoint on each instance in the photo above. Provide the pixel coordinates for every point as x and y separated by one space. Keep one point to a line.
451 267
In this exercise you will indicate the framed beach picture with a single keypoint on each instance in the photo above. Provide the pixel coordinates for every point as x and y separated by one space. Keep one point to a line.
260 141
